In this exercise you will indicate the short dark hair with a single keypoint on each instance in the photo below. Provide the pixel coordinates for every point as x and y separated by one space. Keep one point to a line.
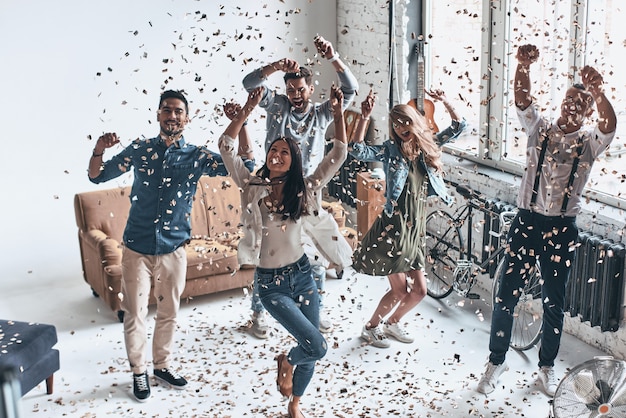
303 72
174 94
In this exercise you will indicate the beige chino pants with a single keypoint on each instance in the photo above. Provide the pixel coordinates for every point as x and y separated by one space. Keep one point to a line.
167 274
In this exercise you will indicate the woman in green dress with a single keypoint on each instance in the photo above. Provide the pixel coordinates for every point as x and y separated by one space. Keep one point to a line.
394 245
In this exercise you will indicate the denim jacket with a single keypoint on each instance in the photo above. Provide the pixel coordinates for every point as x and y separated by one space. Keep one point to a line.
397 167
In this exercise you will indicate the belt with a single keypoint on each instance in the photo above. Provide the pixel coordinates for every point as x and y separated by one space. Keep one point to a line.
281 271
546 217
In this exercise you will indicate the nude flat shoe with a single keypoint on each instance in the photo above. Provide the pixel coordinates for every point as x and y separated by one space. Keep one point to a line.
284 380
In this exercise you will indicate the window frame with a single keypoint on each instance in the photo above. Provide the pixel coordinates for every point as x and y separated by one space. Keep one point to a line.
496 91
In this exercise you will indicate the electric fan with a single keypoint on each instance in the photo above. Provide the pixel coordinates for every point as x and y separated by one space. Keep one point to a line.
595 388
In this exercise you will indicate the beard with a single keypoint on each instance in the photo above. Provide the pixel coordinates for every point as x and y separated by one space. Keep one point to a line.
171 130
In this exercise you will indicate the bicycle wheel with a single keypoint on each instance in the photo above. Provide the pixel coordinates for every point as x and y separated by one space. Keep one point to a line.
528 313
595 388
443 249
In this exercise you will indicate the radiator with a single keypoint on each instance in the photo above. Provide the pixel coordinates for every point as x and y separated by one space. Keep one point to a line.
594 291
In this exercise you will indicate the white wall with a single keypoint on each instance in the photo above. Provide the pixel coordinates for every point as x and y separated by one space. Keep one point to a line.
54 104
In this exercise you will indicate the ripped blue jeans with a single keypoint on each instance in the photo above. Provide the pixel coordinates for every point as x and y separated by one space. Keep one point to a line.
290 295
319 275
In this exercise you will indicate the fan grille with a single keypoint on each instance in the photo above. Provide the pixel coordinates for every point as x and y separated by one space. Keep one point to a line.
595 388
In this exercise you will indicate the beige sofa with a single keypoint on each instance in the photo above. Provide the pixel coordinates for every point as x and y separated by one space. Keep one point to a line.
211 254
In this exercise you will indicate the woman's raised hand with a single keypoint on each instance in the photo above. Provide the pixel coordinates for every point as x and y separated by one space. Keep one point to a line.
254 98
231 109
367 105
336 100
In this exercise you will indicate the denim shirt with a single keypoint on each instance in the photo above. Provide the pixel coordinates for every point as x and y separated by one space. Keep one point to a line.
397 167
164 185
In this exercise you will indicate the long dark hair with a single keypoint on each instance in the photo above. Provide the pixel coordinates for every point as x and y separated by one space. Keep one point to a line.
294 202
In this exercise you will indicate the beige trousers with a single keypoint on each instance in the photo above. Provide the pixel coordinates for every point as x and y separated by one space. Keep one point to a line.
167 274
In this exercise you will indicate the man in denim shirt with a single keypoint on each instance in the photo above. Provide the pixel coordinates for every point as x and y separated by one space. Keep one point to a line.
294 116
166 174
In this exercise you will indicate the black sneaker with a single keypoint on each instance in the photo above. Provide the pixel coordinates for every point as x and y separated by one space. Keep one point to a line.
141 386
169 376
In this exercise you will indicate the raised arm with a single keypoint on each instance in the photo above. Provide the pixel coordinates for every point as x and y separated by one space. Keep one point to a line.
336 101
285 65
440 96
526 55
257 77
231 110
237 122
367 106
238 169
347 82
105 141
335 158
325 48
593 82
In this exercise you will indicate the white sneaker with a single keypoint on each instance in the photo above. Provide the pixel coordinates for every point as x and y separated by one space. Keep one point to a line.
398 332
548 380
325 325
375 336
259 326
489 380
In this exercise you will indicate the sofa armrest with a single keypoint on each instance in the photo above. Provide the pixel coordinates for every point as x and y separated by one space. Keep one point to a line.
108 249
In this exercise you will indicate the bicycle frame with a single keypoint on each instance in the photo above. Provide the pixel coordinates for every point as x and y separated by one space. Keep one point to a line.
468 265
451 264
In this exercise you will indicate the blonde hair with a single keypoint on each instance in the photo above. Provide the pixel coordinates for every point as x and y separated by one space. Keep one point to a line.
423 137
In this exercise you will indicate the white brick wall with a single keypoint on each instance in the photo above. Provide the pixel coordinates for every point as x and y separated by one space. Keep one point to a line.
363 40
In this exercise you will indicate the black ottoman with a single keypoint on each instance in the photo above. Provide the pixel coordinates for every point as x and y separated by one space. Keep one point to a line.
28 347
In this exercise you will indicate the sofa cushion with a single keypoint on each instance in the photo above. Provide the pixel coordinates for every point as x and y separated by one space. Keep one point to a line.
42 369
222 205
208 257
22 342
337 210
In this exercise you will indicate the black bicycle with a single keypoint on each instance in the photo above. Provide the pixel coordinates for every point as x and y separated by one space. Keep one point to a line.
452 265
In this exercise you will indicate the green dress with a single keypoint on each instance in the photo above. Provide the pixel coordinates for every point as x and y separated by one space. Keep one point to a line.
396 244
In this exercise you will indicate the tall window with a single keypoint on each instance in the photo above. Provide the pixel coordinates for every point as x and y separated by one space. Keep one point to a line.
453 49
472 54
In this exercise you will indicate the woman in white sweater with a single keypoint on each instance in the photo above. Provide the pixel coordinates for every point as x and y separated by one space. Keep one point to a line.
273 201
